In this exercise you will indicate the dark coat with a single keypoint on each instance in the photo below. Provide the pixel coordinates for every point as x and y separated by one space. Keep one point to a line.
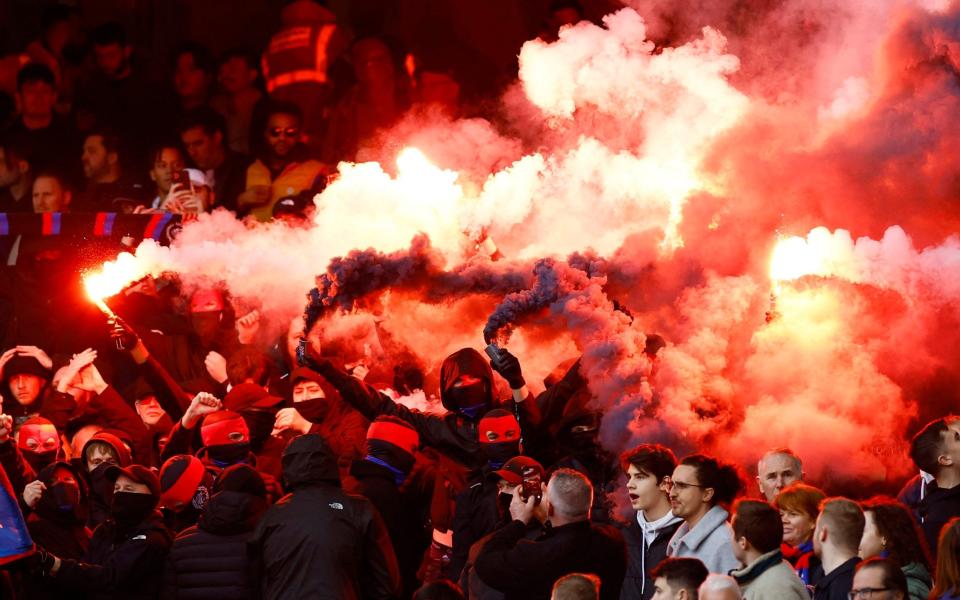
318 541
641 560
936 508
452 434
211 559
837 584
528 569
120 563
477 514
403 513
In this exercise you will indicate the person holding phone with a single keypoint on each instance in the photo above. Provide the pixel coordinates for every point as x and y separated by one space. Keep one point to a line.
190 193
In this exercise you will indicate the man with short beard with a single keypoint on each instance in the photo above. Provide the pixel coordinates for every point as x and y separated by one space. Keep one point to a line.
284 168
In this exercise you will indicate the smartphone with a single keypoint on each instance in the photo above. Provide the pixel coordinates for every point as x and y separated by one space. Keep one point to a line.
531 487
181 177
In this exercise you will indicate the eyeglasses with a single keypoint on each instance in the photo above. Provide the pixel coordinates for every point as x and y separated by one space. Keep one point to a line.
669 484
865 593
278 131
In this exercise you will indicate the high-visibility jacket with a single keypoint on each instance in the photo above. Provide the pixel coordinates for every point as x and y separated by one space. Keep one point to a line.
297 54
296 177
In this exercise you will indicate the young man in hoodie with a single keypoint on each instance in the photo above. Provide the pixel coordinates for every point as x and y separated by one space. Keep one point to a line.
648 468
936 450
758 533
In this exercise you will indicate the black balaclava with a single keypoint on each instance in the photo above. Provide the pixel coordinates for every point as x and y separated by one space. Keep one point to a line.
466 383
391 443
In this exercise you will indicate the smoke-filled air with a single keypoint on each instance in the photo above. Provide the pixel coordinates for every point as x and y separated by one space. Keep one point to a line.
771 188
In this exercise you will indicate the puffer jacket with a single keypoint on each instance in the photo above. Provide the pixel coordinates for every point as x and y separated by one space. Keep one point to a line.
210 559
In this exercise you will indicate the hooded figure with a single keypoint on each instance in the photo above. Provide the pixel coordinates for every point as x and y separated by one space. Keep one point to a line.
58 522
477 510
24 383
466 383
39 442
99 453
381 477
343 428
318 541
210 559
126 554
466 389
579 446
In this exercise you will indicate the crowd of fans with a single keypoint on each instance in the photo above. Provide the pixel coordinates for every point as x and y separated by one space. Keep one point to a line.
97 131
187 454
214 463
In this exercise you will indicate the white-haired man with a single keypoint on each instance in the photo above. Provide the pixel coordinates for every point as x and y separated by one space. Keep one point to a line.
777 469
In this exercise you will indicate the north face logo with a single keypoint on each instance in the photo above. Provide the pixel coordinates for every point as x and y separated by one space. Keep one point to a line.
336 505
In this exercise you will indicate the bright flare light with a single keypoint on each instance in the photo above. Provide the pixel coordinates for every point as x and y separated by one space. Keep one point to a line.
793 258
110 280
417 172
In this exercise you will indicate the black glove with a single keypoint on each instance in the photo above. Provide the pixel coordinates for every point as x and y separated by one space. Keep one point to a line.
508 366
122 334
40 562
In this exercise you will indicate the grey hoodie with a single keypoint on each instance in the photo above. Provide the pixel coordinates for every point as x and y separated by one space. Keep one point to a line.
711 540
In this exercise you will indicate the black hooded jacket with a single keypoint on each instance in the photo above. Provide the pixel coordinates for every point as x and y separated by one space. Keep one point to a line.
63 534
210 559
936 509
121 563
403 512
452 433
318 541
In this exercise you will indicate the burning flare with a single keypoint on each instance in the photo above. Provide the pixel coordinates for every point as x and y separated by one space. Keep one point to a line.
793 258
111 279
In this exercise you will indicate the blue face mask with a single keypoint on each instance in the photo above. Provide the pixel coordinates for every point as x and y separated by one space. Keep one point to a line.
473 412
398 476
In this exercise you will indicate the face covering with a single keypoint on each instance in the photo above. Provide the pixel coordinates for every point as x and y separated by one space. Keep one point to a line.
129 509
470 400
313 410
39 460
228 454
101 487
206 325
60 502
498 454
